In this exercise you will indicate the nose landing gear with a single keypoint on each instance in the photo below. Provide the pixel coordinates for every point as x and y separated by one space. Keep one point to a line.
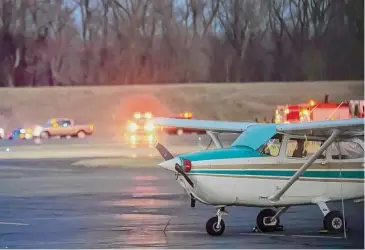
215 226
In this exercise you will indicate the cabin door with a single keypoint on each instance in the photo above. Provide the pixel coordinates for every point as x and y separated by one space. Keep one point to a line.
298 151
347 171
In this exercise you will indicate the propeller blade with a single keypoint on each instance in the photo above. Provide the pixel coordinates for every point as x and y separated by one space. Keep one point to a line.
163 151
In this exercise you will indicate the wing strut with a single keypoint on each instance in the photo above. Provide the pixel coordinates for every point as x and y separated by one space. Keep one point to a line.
215 139
276 197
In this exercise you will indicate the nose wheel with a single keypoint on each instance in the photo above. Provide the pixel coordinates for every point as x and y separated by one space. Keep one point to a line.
215 226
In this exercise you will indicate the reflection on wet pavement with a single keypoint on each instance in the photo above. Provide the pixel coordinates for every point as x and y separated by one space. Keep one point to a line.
145 203
121 208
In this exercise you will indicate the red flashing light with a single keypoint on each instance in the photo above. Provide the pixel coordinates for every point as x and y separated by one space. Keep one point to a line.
187 165
186 115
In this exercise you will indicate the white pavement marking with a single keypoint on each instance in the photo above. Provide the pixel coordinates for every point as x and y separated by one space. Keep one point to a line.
194 232
318 236
295 235
263 234
13 223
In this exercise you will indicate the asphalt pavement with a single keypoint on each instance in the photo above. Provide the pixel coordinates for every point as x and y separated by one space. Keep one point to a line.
93 140
103 147
51 204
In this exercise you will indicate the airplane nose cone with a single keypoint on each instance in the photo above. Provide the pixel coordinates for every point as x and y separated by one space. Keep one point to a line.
170 164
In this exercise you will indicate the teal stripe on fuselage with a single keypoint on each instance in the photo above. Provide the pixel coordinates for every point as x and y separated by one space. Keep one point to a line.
225 153
354 174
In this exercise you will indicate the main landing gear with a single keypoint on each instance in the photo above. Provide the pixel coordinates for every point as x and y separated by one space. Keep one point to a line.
268 220
333 221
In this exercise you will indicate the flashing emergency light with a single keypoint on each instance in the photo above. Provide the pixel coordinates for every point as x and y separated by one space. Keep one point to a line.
132 127
137 115
312 103
149 126
133 139
150 138
148 115
186 115
305 112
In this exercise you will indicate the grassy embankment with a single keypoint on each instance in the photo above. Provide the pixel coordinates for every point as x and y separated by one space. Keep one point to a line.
108 107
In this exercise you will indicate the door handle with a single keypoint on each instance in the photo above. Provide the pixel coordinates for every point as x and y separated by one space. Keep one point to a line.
324 163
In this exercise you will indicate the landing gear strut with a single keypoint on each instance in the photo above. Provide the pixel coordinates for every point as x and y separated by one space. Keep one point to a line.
215 226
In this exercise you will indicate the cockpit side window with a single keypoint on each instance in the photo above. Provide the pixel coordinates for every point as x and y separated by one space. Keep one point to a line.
272 146
302 148
346 150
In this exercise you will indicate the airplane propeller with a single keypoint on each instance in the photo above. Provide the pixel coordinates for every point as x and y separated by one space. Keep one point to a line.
163 151
168 156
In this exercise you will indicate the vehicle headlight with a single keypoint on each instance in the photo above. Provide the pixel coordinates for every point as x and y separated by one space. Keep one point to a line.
148 115
150 138
133 127
149 127
2 131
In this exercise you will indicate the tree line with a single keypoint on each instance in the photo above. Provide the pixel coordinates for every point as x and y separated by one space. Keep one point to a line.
120 42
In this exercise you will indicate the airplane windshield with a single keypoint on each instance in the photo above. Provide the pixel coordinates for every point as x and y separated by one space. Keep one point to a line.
272 146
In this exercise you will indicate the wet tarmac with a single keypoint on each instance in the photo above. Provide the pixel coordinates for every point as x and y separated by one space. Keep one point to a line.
50 204
92 140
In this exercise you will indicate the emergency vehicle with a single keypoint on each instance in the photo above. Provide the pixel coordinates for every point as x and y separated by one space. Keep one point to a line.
319 111
181 131
140 130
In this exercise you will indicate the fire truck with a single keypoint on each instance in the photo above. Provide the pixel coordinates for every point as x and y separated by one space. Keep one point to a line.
140 130
181 131
319 111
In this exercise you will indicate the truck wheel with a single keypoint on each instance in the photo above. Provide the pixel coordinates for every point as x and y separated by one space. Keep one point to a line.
45 135
81 134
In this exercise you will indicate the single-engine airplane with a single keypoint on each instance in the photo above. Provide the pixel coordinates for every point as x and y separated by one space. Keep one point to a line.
314 163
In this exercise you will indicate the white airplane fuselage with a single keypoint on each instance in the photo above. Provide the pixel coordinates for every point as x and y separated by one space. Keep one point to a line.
250 181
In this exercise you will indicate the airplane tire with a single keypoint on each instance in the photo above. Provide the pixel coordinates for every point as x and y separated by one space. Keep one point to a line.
333 221
211 227
264 215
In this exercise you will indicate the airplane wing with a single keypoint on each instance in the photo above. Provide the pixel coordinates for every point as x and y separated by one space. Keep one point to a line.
348 127
329 129
214 126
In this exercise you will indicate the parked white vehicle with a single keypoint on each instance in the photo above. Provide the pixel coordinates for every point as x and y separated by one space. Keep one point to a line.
2 133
